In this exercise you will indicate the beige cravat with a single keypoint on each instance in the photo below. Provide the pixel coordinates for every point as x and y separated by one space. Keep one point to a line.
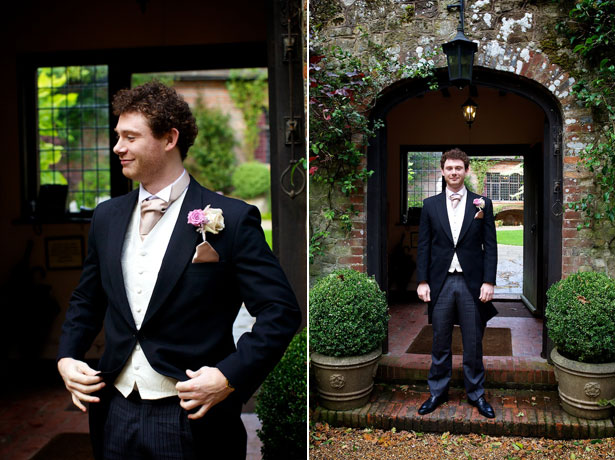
152 210
455 199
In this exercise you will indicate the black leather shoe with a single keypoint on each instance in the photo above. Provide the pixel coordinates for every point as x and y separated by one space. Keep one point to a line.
432 404
484 408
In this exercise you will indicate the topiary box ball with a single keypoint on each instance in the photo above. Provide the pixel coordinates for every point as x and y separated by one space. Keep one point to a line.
580 316
348 314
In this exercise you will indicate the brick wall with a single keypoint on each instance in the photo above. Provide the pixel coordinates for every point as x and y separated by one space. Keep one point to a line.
513 36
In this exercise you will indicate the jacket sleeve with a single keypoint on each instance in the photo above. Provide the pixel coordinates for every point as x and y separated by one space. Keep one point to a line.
490 245
87 306
423 257
268 297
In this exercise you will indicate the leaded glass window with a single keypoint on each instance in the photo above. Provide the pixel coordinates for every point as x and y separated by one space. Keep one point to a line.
424 177
504 187
72 110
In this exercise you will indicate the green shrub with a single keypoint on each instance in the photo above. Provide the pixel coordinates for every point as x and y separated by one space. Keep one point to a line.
281 405
348 314
251 179
581 317
211 159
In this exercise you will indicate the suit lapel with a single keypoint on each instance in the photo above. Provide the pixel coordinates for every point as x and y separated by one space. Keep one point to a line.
443 214
122 216
468 217
179 251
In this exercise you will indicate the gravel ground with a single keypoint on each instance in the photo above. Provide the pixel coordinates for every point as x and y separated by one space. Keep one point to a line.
328 443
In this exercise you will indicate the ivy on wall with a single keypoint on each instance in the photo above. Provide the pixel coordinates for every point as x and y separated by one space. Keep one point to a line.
591 33
342 90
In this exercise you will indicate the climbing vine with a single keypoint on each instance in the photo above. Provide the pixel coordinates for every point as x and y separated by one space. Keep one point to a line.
591 31
343 88
480 167
248 90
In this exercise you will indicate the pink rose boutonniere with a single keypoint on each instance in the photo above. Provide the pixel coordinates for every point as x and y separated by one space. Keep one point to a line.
480 204
206 220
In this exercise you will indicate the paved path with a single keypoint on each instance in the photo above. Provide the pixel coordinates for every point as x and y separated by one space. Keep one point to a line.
509 279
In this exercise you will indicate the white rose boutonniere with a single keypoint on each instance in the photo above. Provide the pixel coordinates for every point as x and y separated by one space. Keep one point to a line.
480 204
207 220
215 218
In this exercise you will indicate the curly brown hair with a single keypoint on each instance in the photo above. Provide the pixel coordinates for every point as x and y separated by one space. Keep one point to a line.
455 154
163 108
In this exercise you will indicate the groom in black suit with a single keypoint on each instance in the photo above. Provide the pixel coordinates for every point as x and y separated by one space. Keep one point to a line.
456 270
167 289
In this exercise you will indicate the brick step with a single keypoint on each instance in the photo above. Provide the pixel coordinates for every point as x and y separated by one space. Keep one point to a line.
501 372
535 413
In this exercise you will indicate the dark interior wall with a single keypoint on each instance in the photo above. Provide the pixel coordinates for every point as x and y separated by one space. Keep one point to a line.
437 120
59 26
74 24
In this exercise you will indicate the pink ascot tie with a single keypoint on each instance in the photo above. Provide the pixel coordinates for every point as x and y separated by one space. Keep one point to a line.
152 210
455 199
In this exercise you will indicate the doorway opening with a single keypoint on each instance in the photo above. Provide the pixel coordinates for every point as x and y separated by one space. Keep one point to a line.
517 130
496 172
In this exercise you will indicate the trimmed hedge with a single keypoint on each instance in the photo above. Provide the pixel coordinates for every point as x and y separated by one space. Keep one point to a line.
348 314
251 179
581 317
281 405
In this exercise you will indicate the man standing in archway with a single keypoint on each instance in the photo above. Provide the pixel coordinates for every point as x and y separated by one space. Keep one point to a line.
456 270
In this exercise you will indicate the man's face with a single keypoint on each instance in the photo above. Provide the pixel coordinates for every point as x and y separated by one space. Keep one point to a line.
454 173
141 154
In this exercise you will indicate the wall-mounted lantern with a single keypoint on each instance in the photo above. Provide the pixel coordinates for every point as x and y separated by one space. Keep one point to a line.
460 53
469 111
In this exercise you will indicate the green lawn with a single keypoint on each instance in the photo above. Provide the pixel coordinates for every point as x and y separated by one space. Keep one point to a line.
269 238
511 237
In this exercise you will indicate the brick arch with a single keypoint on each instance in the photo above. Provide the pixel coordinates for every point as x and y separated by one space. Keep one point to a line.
552 164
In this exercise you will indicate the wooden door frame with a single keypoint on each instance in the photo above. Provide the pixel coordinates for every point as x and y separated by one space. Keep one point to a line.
552 192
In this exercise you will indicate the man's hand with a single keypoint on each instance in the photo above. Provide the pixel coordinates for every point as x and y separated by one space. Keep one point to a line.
424 292
486 292
206 388
81 380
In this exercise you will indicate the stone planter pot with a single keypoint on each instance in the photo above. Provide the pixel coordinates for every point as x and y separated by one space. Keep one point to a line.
345 383
582 385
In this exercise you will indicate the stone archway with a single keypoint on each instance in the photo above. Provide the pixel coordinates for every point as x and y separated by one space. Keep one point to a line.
545 190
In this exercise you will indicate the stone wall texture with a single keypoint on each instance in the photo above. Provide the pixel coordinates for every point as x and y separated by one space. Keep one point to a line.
512 36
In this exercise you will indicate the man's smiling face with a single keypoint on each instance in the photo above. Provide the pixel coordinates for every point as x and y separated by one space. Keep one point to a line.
454 173
141 154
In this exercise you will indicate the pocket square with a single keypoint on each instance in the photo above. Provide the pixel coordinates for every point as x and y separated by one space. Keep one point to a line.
479 215
205 253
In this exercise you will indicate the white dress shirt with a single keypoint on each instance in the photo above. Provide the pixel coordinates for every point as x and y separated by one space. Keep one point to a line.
141 261
455 219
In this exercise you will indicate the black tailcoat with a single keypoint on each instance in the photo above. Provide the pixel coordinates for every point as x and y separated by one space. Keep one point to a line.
190 317
476 249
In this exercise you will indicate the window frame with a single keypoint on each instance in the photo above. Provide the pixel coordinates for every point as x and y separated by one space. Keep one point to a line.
507 182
